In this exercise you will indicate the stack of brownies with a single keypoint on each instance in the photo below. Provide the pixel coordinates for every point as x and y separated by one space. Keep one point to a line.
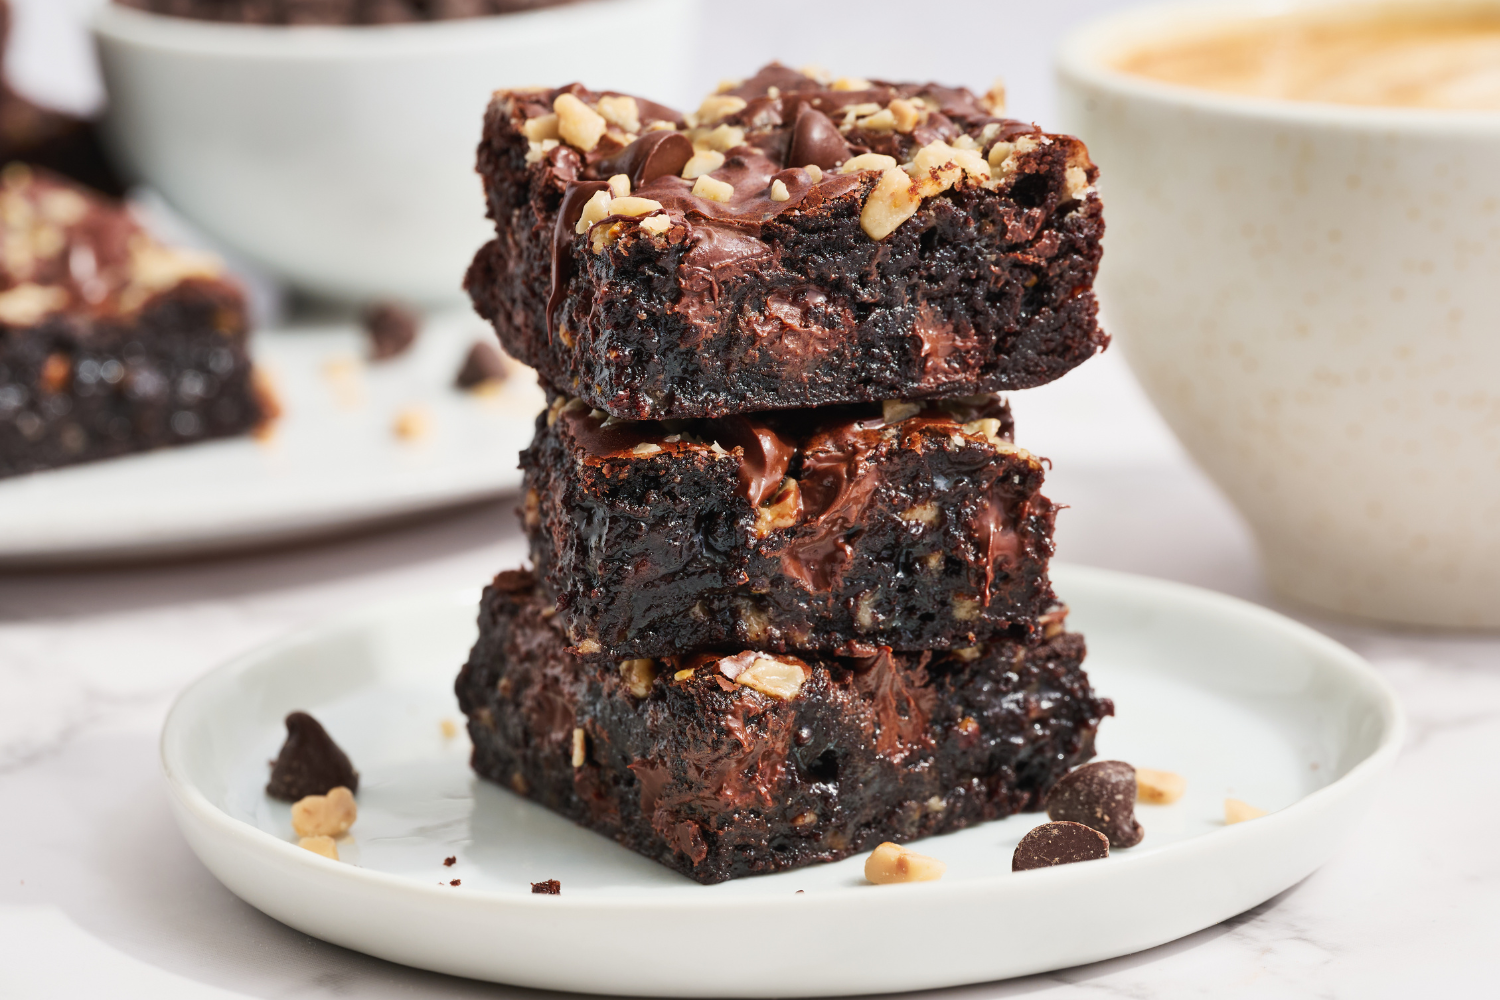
790 596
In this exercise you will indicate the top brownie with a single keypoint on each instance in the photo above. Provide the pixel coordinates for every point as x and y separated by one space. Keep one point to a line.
789 244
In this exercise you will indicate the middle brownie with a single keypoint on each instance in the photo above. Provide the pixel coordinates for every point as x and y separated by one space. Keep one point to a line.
916 526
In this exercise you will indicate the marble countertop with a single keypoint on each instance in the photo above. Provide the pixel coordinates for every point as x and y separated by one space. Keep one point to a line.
99 894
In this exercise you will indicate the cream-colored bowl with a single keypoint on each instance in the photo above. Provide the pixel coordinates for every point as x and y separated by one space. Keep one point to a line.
342 158
1310 293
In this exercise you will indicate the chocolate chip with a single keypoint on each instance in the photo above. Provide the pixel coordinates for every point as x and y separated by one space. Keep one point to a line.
392 329
551 887
1099 795
655 154
309 763
483 364
1058 844
815 139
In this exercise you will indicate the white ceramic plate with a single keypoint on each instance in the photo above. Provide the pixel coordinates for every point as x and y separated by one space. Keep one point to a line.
1241 701
333 460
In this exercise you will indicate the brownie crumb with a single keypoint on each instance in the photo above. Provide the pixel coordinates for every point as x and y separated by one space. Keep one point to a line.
551 887
450 862
1058 844
1101 795
309 763
483 364
457 881
392 329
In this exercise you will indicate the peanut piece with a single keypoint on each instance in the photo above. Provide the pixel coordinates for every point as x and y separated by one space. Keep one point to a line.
713 189
621 112
596 209
893 411
783 511
656 225
891 203
578 124
1158 787
993 100
906 114
539 128
412 423
646 448
722 139
965 609
717 107
867 161
633 207
703 161
619 186
776 678
580 747
850 83
325 815
1236 811
922 513
891 863
638 674
1076 180
779 191
815 172
881 121
320 845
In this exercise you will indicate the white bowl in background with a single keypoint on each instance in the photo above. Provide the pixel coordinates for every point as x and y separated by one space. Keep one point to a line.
342 158
1307 292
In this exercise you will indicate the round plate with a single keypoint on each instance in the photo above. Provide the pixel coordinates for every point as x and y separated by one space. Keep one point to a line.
333 460
1238 699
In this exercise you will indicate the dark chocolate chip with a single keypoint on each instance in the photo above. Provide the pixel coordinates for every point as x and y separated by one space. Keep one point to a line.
1099 795
309 763
551 887
655 154
815 139
483 364
392 329
1058 844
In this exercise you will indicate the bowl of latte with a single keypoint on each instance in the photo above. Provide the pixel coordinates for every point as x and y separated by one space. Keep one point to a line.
1301 265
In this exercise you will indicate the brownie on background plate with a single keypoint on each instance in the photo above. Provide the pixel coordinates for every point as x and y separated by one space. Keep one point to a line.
910 525
792 243
736 762
110 342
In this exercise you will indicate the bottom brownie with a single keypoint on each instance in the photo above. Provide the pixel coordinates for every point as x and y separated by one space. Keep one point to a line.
739 763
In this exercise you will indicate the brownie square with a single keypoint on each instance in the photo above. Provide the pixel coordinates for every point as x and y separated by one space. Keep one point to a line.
910 525
739 762
789 244
109 342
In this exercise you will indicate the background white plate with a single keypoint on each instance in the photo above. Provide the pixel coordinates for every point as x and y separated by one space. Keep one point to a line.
1238 699
333 460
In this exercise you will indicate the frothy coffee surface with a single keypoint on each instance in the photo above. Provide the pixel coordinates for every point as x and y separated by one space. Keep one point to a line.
1405 55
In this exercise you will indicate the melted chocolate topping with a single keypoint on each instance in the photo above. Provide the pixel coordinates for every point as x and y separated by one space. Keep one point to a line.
653 155
576 196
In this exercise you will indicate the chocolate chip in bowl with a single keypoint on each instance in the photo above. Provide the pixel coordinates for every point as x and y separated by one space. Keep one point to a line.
1100 795
1058 843
309 763
392 329
483 365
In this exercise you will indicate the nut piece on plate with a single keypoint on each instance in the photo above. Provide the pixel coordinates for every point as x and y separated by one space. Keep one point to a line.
325 815
483 365
1058 844
412 423
320 845
309 763
1100 795
890 863
551 887
1158 787
392 329
1236 811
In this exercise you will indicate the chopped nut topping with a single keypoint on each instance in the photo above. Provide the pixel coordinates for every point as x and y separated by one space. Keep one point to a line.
993 100
933 561
1236 811
968 653
684 675
621 112
864 610
815 72
595 210
713 189
1000 154
783 511
619 186
703 161
727 85
965 609
779 191
646 448
883 120
537 151
906 114
578 124
850 83
580 747
325 815
815 172
717 107
1077 181
722 138
28 304
807 818
542 127
867 161
656 224
1158 787
757 623
777 679
893 201
634 207
638 674
589 646
989 429
893 411
965 141
320 845
922 513
891 863
936 804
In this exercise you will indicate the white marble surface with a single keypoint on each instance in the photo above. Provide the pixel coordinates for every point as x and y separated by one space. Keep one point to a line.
99 895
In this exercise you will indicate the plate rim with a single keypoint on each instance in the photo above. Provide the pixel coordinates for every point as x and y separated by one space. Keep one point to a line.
188 797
